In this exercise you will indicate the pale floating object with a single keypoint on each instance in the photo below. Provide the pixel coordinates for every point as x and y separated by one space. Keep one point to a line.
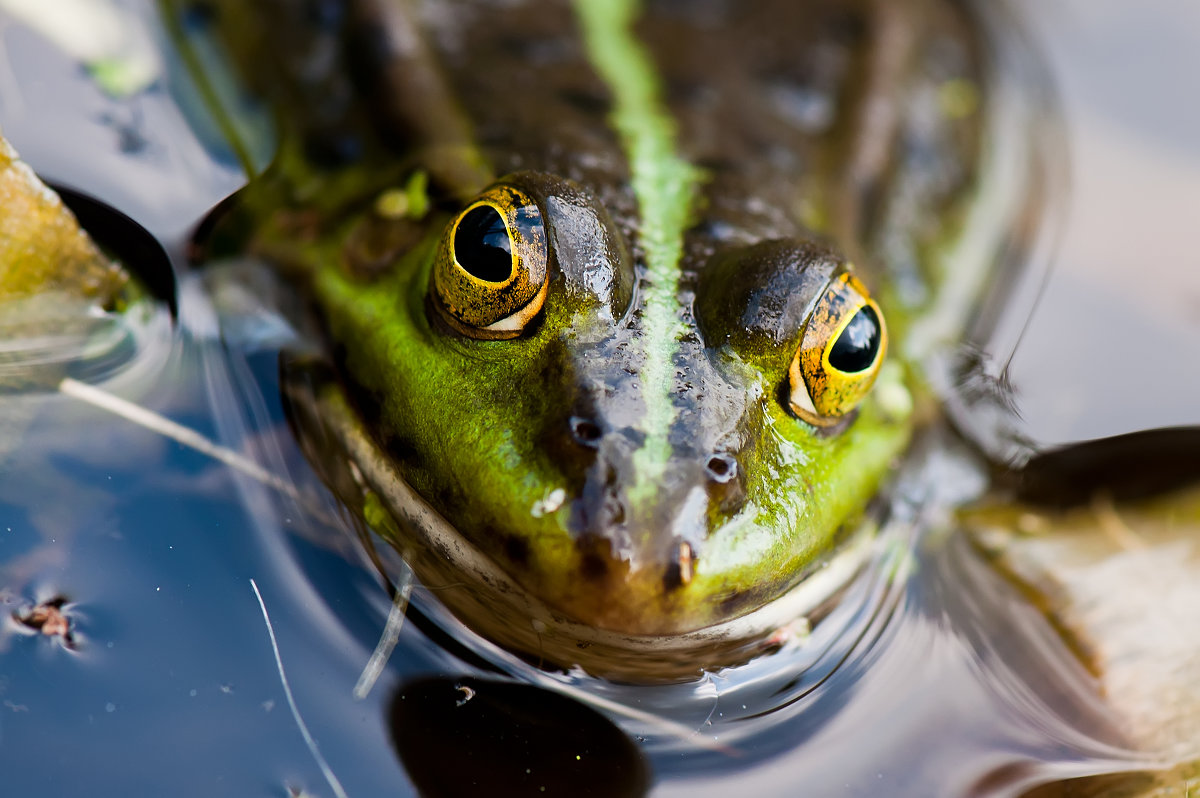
42 248
112 42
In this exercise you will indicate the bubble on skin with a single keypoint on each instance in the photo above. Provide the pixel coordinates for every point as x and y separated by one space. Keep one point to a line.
552 501
891 394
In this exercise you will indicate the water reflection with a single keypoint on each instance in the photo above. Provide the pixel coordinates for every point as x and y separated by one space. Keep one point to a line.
930 675
1118 313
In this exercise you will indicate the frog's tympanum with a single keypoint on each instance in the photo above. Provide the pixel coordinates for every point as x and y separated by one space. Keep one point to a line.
616 298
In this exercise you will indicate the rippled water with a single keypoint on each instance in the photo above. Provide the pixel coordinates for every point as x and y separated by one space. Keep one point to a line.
932 676
940 680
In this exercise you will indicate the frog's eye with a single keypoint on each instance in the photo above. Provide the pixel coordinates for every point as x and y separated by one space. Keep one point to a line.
490 277
839 355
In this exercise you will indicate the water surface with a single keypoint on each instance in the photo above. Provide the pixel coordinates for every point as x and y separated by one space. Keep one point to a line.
933 676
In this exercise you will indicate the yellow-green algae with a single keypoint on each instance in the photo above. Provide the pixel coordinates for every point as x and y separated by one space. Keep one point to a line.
42 247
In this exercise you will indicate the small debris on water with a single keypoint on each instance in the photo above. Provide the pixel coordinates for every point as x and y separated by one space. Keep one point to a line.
49 618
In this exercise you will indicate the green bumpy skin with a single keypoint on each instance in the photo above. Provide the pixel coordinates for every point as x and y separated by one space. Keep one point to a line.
489 432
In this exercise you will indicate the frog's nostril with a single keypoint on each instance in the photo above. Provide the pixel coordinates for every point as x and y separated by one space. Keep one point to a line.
681 569
585 432
721 467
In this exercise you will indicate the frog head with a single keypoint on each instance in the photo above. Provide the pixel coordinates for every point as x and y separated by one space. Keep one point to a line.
642 486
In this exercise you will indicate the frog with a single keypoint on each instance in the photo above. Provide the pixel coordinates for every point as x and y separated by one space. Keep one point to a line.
399 213
616 301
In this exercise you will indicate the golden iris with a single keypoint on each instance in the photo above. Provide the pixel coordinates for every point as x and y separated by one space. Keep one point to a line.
491 274
839 355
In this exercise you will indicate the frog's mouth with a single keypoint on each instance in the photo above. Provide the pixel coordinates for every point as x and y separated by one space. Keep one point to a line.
487 599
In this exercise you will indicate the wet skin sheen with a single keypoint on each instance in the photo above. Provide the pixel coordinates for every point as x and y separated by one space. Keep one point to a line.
615 332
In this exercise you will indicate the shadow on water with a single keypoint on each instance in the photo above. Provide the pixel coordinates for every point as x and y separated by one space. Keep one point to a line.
933 676
129 242
471 736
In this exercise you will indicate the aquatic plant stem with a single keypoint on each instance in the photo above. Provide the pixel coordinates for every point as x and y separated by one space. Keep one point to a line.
334 784
389 638
205 88
190 438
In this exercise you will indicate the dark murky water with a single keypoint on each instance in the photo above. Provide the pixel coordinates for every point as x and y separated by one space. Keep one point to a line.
932 677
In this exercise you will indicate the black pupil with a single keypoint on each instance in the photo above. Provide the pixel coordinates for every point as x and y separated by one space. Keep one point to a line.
856 347
481 245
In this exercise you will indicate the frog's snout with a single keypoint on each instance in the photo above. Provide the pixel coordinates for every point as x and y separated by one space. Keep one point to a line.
649 518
